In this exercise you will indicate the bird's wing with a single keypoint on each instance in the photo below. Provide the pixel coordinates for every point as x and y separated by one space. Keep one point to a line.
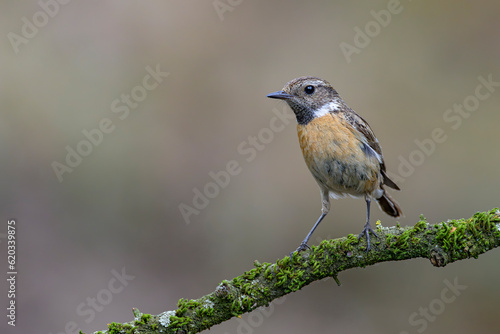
364 133
371 145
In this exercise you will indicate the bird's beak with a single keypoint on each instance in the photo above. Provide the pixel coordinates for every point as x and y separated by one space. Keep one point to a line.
280 95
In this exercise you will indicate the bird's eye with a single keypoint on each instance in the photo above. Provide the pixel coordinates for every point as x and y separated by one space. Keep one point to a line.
309 89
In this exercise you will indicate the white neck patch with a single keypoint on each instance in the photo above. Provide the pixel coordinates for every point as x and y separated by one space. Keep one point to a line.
326 109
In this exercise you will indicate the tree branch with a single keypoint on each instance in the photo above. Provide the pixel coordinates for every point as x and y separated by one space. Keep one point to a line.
441 243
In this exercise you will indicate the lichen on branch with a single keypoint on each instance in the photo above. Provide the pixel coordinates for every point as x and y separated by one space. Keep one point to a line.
441 243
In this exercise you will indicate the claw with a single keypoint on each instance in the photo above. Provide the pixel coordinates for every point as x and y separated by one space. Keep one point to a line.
366 232
303 246
368 228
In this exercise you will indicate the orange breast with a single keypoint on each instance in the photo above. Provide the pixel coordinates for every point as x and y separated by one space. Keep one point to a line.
335 157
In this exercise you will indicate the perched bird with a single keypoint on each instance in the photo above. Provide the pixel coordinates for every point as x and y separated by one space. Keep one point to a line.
339 148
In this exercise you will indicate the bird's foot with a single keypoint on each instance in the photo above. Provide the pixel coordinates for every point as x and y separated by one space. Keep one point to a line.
303 246
366 232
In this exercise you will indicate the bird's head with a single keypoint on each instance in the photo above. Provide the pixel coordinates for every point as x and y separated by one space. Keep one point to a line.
309 97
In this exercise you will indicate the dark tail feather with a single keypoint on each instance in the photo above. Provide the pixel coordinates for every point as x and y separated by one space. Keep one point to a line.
389 206
388 182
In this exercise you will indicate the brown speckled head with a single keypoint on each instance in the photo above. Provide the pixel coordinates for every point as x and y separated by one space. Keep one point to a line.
309 97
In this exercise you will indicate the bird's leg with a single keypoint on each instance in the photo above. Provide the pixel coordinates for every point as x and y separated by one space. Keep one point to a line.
325 207
303 245
368 228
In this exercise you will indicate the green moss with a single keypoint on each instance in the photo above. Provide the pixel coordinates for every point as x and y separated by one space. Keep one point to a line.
204 310
178 322
316 268
415 241
237 282
268 274
402 240
296 282
281 277
235 308
464 238
192 304
250 275
483 221
246 288
442 236
145 318
347 244
116 328
284 262
420 225
247 303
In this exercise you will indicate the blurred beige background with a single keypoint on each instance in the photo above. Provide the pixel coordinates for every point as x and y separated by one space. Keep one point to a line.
118 210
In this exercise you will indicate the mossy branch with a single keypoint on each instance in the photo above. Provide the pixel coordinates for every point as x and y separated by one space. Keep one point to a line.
441 243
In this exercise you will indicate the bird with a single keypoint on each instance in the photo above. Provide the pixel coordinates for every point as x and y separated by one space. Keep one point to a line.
339 148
